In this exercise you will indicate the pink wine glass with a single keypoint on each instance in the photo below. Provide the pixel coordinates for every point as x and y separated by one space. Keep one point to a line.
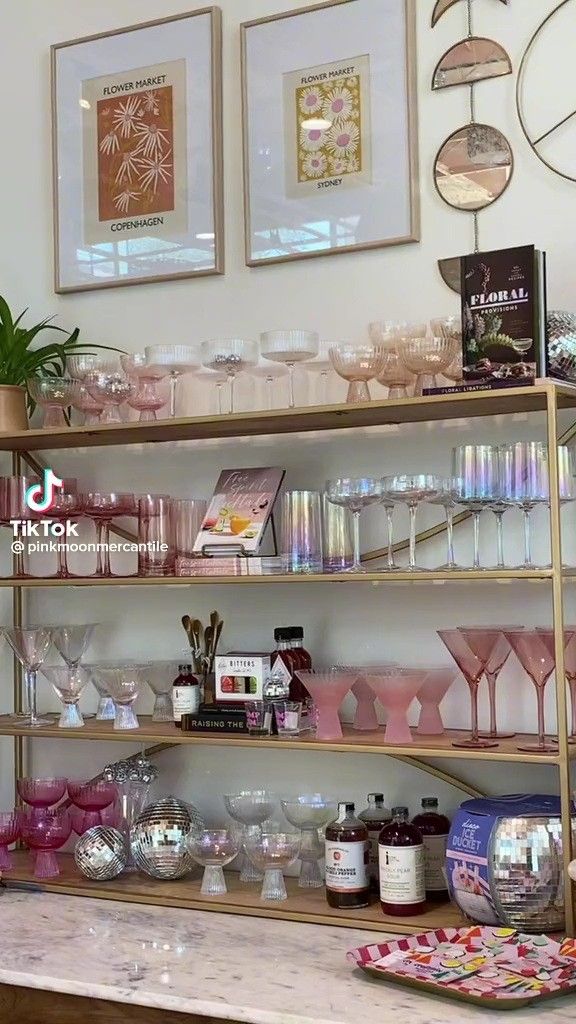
10 831
538 663
91 798
547 636
396 688
327 690
490 645
45 834
103 508
472 668
41 793
436 685
66 505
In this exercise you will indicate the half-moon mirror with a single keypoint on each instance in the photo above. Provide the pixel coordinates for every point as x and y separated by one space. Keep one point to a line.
473 167
471 60
444 5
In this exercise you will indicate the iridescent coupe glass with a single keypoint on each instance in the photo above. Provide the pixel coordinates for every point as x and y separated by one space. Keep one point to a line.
355 494
412 491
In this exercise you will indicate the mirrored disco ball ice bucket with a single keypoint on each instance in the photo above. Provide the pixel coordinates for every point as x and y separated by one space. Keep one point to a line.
159 836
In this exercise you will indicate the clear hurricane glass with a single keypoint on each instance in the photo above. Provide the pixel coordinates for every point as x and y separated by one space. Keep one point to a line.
231 356
213 849
289 347
310 813
358 364
355 493
477 468
30 645
250 808
412 491
272 853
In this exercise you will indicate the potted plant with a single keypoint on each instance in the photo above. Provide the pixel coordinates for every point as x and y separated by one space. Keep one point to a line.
21 360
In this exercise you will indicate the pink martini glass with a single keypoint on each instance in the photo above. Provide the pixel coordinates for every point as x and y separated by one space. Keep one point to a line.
44 834
10 831
396 688
30 645
492 648
328 690
41 793
436 685
547 636
365 719
91 798
472 668
538 663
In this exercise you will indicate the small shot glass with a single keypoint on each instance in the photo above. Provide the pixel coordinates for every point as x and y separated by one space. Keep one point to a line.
308 717
259 717
288 717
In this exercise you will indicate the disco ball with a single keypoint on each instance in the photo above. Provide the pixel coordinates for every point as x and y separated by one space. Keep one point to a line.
158 838
561 337
100 853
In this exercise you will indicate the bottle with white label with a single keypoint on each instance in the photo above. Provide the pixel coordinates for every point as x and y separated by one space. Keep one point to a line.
375 816
347 845
185 694
401 864
435 828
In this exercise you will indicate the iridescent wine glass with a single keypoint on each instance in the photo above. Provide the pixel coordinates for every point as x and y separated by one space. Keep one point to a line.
272 853
529 484
41 793
213 849
150 396
111 389
10 832
355 494
91 408
230 356
289 347
412 491
53 395
250 808
30 645
310 813
426 357
477 468
491 647
270 373
103 507
327 690
566 476
436 684
358 364
472 669
45 834
91 798
123 682
447 498
160 676
396 688
173 360
68 685
538 663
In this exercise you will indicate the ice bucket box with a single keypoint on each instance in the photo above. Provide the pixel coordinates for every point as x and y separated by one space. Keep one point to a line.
504 862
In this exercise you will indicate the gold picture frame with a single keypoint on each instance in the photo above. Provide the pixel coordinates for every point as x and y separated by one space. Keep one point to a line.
278 251
197 213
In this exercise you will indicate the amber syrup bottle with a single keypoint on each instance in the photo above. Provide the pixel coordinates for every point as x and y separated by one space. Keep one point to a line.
347 882
434 828
185 694
401 863
375 816
283 662
301 660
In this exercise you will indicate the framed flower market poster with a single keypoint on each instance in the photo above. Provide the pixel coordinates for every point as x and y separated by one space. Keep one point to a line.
137 153
330 133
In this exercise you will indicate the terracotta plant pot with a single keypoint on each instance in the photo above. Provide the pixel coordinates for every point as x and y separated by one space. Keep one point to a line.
13 414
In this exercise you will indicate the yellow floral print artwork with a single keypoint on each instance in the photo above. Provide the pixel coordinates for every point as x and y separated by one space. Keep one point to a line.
329 127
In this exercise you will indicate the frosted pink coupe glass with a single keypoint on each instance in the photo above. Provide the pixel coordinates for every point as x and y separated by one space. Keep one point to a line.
10 831
44 834
396 689
547 636
327 690
538 663
490 645
41 792
436 685
472 668
91 798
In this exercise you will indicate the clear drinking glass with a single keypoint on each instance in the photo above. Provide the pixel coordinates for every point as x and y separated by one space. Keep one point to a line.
447 498
270 373
213 849
477 468
259 715
111 390
529 484
412 491
230 356
250 808
30 645
68 685
358 364
289 347
538 662
53 395
491 647
272 852
187 516
156 531
427 357
355 493
287 714
123 682
472 669
338 547
160 676
310 813
103 507
301 539
172 361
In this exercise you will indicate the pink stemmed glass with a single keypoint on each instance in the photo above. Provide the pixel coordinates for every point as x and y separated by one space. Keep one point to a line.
45 834
14 506
66 506
53 395
110 816
472 668
365 719
10 831
547 636
103 508
112 389
82 400
431 694
30 644
327 690
538 663
150 396
396 688
91 798
41 793
492 648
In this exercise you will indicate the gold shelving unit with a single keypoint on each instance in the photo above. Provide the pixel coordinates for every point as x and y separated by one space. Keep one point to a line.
545 397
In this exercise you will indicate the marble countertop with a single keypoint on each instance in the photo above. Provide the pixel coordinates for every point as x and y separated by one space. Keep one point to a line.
245 969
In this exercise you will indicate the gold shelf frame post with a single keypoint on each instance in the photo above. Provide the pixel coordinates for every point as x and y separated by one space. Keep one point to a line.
17 619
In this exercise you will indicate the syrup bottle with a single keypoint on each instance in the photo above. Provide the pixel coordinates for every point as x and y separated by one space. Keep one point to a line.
297 637
375 816
284 662
434 828
301 660
185 694
347 882
401 863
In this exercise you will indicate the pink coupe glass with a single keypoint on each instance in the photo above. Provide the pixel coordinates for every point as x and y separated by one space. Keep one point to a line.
327 690
472 668
103 508
150 396
41 793
10 831
538 663
111 389
396 688
436 685
91 798
45 834
82 400
490 645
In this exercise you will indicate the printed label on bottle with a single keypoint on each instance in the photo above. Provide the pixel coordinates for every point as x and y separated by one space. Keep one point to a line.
373 852
434 863
346 866
281 673
186 701
402 874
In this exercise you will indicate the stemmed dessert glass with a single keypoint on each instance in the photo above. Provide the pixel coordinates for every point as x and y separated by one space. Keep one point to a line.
270 373
358 364
230 356
355 494
310 813
149 397
123 682
111 389
10 831
250 808
103 508
491 647
327 690
430 696
289 347
68 685
272 852
213 849
538 662
45 834
91 408
395 376
53 395
321 366
160 676
529 484
472 668
172 361
30 645
412 491
91 798
427 357
396 688
447 498
477 468
40 794
106 711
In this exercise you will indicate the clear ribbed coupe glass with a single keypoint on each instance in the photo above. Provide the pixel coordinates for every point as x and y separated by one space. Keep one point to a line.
250 808
412 491
172 361
213 849
289 347
231 356
310 813
272 853
358 364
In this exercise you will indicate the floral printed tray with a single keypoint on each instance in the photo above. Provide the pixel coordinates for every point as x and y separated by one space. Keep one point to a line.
496 967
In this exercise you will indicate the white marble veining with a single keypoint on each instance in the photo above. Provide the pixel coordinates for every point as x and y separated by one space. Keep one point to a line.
242 969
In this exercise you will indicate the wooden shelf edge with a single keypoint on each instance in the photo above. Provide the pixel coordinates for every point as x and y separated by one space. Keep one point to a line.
295 579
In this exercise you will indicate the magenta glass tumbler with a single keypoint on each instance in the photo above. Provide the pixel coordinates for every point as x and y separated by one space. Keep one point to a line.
10 831
91 798
327 690
396 688
430 695
472 668
45 834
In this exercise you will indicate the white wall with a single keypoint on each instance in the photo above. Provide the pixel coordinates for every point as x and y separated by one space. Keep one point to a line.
338 296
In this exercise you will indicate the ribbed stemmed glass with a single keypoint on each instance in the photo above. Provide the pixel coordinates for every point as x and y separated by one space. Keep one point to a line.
477 469
30 645
213 849
358 364
272 852
412 491
355 493
310 813
472 668
230 356
172 361
250 808
103 508
289 347
427 357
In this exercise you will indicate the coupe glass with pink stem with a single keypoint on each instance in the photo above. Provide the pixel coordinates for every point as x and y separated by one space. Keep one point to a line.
328 690
103 508
91 408
472 668
110 816
538 663
396 688
112 389
10 831
150 396
41 793
430 696
53 395
45 834
490 645
547 636
91 798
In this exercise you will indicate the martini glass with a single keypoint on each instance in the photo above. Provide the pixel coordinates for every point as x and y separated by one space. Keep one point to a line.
30 645
45 834
230 356
106 711
172 361
272 852
250 808
68 685
365 719
91 798
412 491
160 677
355 494
213 849
396 688
10 831
538 663
289 347
328 690
71 642
472 668
430 695
310 813
492 648
547 636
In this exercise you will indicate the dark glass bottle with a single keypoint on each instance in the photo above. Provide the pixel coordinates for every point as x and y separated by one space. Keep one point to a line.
347 882
375 816
401 863
434 828
284 662
297 637
301 661
185 694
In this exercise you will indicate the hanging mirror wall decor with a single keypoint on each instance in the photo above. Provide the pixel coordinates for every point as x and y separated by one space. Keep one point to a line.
441 6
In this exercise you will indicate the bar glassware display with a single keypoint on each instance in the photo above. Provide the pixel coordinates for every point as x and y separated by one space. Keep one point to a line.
301 538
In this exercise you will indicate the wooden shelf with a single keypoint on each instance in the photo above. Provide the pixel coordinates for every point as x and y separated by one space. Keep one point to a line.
305 905
352 742
291 421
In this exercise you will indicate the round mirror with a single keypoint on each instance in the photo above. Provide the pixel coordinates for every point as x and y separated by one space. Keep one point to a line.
473 167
